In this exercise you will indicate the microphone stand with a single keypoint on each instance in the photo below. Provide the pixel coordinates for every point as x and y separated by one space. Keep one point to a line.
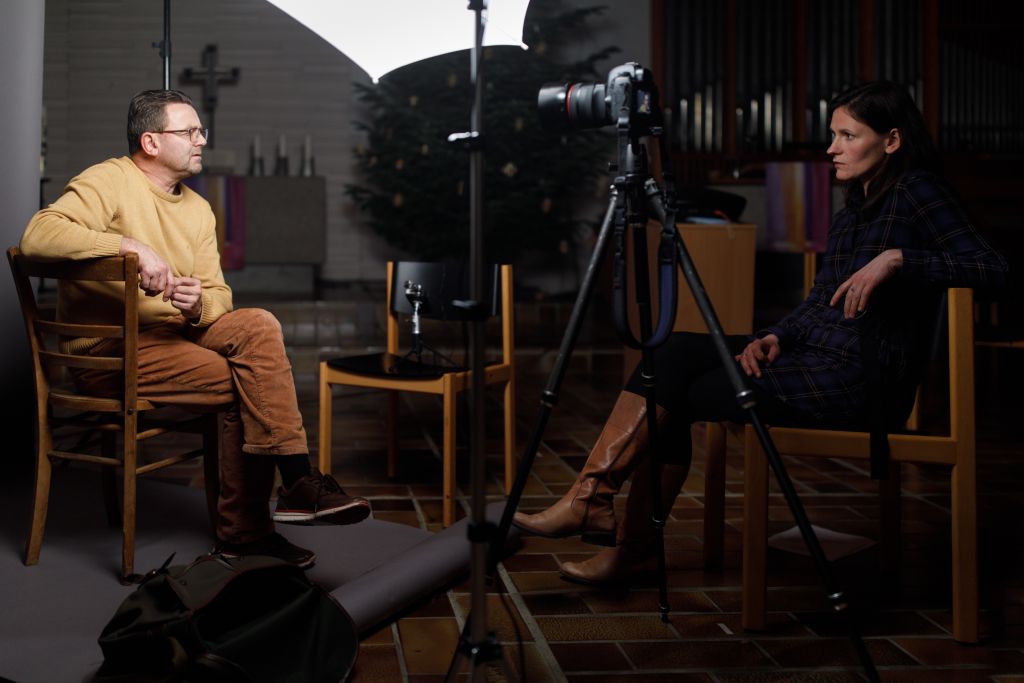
165 46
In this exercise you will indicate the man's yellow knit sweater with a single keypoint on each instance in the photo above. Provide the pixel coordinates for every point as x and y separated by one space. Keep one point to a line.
114 199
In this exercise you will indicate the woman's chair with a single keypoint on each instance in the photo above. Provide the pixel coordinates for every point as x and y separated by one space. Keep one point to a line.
957 449
75 426
434 286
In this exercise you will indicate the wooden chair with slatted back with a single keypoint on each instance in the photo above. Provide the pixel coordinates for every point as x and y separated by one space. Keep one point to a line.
956 449
95 424
394 373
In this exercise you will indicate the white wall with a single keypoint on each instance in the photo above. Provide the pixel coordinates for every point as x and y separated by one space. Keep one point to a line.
99 52
21 57
293 83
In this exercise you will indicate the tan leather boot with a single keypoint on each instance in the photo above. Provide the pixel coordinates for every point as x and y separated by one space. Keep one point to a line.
586 509
634 551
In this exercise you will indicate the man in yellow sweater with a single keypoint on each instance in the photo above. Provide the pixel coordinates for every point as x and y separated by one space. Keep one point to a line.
194 349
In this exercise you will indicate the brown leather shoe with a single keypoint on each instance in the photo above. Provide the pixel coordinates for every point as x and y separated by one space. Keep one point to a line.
319 496
586 509
579 512
611 566
633 554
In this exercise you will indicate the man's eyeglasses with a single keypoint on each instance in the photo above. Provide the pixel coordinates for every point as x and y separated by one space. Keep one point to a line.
192 133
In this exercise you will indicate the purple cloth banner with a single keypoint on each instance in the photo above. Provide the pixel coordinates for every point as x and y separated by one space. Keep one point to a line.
798 205
226 195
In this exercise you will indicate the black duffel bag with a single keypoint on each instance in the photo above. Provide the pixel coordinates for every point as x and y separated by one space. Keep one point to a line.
250 619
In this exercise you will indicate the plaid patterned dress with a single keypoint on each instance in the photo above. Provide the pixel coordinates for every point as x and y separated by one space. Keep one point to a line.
821 369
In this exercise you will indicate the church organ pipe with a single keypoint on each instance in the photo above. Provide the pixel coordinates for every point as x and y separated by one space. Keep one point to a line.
747 80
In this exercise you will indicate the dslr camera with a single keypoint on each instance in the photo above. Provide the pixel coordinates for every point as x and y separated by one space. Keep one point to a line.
629 98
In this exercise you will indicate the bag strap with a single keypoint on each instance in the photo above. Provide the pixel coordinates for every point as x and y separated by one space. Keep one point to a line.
199 583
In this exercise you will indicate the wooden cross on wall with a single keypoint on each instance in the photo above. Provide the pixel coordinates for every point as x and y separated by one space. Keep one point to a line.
211 77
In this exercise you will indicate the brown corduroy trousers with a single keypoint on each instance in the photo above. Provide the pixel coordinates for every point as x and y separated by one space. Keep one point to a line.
237 365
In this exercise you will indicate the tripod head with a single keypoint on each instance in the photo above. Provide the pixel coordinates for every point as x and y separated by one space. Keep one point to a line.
629 99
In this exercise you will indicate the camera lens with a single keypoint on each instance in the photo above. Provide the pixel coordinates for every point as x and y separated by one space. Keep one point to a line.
573 106
551 106
587 107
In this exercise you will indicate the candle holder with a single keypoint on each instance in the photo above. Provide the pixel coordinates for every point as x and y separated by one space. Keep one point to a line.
281 162
308 164
255 158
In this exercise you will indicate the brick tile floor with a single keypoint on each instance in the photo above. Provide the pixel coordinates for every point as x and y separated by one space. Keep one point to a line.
565 632
575 633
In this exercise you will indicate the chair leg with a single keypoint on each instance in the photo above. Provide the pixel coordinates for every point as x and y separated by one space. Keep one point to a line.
128 503
714 495
392 432
890 527
755 532
448 456
326 418
211 467
510 435
964 508
109 474
40 501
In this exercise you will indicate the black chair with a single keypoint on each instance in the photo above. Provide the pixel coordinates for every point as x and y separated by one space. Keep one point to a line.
427 291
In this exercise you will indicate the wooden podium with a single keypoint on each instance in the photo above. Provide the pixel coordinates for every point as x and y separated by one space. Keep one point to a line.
724 257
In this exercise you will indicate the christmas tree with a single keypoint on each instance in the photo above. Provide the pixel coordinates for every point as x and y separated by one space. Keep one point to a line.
415 185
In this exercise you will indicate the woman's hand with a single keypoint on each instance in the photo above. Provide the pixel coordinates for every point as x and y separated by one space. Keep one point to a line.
859 287
760 351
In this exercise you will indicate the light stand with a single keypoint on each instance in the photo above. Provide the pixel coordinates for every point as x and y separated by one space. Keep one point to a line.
165 45
476 644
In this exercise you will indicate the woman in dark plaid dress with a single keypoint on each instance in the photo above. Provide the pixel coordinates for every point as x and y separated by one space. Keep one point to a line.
900 241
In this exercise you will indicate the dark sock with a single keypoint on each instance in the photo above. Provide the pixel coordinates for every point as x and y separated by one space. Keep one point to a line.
292 468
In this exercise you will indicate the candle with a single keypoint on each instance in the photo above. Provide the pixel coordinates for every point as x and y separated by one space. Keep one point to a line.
684 123
256 146
823 119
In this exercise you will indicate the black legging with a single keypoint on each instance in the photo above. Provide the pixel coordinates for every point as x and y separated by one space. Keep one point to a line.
692 385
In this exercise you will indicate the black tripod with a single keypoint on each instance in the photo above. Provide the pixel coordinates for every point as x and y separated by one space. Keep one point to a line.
634 196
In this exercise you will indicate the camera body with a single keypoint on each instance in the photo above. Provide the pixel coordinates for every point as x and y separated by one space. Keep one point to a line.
628 98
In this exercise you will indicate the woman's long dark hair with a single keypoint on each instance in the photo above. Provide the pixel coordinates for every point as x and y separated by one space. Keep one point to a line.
882 106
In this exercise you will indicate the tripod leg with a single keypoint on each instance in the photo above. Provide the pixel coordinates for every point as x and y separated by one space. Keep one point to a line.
649 380
658 513
745 399
549 397
834 594
658 516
